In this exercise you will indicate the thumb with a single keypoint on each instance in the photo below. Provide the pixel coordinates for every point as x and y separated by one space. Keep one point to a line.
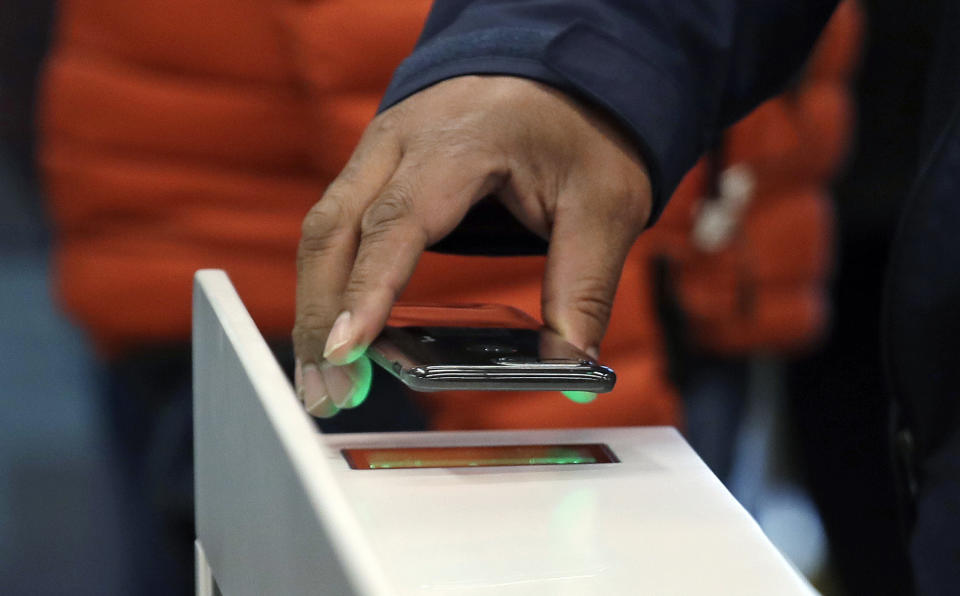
586 256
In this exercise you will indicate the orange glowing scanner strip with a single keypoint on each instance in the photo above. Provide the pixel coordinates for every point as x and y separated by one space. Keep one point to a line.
478 456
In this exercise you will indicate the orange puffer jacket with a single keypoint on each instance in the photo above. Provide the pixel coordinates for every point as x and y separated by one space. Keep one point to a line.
181 134
764 289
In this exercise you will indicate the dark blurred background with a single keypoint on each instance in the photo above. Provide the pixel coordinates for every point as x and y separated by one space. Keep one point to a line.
846 463
58 530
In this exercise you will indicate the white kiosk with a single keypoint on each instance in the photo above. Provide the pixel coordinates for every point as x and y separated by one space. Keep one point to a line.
280 510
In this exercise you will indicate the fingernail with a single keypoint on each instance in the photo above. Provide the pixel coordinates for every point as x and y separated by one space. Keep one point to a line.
339 334
339 383
314 390
593 352
348 385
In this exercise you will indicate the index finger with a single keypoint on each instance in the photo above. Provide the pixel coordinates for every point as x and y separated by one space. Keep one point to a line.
328 244
426 198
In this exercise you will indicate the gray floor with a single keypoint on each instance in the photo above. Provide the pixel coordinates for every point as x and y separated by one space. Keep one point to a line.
58 533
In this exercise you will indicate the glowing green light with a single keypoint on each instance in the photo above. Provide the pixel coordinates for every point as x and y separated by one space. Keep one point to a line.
354 355
362 377
580 397
503 461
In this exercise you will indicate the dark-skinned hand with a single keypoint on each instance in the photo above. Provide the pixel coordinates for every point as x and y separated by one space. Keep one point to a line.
562 169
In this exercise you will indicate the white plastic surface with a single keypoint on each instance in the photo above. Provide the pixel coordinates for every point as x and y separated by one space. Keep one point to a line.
280 512
659 522
270 517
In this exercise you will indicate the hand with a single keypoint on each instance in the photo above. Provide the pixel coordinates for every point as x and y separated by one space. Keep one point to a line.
560 168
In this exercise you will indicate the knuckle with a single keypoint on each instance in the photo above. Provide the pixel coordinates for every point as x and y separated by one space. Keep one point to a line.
321 226
591 297
393 208
388 122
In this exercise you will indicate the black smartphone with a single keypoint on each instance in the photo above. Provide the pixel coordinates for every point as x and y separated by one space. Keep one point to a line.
482 347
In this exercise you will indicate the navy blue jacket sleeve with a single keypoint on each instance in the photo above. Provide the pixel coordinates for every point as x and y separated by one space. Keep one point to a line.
674 73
